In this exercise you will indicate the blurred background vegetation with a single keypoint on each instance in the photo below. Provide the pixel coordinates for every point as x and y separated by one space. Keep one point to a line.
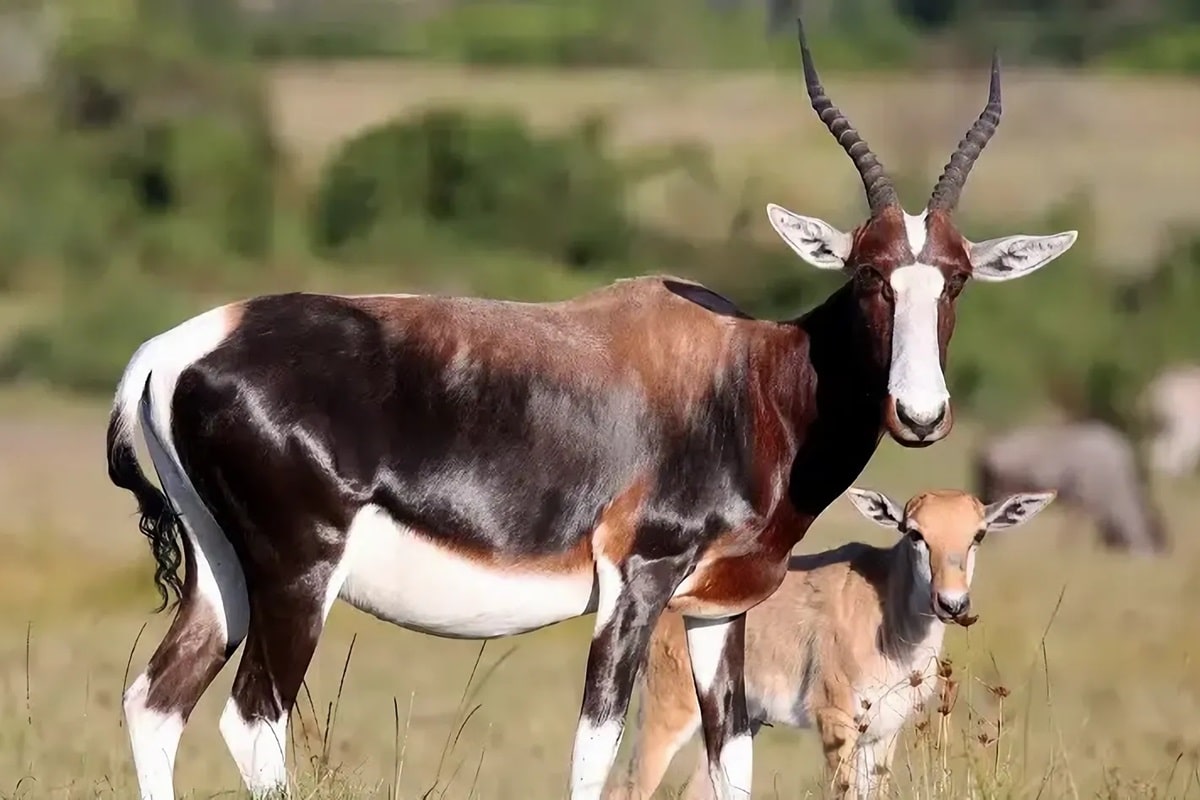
146 174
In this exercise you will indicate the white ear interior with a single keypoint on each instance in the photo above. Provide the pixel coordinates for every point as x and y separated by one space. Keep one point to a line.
1016 509
814 240
1012 257
877 507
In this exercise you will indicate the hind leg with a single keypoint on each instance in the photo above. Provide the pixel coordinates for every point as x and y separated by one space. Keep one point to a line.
209 625
287 619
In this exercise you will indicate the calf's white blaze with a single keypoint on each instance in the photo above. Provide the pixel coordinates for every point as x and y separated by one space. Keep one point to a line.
400 576
915 379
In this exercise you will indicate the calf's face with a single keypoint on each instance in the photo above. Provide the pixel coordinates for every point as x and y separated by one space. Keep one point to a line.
944 530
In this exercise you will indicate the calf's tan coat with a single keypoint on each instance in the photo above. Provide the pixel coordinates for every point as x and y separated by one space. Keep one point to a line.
849 643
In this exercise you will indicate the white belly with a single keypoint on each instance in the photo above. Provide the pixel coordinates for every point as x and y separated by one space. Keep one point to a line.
394 574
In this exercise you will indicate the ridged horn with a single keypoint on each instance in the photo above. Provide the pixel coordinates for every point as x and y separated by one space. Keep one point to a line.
954 176
881 193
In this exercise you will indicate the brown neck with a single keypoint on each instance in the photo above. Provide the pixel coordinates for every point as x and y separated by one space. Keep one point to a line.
838 421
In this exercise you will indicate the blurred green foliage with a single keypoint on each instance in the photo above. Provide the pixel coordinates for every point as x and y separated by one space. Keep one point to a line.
144 182
870 34
485 179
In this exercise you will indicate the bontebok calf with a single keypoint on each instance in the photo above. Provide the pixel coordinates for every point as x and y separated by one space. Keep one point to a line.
478 468
848 644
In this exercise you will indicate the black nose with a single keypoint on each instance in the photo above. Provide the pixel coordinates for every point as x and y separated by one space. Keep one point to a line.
954 606
920 428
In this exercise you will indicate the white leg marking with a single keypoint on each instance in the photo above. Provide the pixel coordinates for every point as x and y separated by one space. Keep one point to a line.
609 578
915 379
154 737
706 642
258 748
734 770
596 746
592 758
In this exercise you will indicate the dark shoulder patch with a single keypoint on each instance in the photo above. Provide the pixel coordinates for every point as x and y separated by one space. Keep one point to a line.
705 298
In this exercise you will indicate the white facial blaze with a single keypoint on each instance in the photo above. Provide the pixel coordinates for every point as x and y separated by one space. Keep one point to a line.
916 380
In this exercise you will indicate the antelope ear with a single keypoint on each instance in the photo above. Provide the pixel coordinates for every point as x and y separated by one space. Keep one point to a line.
1012 257
877 507
1016 509
814 240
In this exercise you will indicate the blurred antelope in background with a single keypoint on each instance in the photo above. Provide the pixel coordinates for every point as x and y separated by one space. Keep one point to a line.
1172 404
849 642
1092 466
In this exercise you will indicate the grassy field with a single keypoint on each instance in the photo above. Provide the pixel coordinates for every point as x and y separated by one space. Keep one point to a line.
1124 141
1098 652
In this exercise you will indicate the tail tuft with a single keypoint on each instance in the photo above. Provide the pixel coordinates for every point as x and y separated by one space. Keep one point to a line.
159 523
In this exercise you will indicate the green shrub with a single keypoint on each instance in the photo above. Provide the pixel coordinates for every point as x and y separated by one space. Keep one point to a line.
485 178
138 132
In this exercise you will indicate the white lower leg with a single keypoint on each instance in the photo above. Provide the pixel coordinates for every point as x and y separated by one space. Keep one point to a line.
154 737
593 756
732 773
733 770
258 748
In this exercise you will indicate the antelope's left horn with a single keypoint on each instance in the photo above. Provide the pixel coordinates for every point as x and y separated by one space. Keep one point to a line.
950 185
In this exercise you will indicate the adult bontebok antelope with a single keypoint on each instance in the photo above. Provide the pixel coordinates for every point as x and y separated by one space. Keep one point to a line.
849 642
478 468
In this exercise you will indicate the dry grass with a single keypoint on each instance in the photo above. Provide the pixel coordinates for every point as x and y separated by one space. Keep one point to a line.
1097 651
1126 141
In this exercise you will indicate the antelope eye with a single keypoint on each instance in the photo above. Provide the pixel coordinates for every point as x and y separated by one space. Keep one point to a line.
955 283
871 281
914 535
979 536
869 277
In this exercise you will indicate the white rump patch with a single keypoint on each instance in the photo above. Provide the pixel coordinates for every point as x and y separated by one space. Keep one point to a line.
399 576
916 380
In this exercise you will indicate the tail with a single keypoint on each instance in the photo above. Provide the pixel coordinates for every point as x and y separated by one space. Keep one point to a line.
158 522
141 402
